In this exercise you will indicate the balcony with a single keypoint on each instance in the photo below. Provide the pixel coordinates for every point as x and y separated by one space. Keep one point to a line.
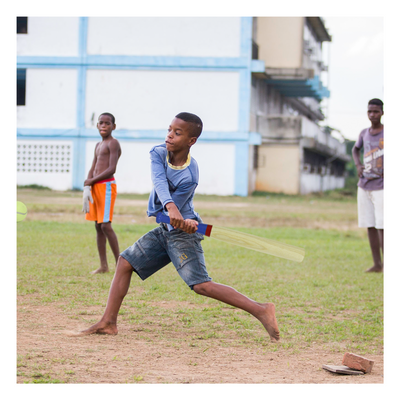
288 129
291 82
290 87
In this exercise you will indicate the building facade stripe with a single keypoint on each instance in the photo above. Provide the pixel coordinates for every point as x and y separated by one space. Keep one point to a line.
79 153
241 152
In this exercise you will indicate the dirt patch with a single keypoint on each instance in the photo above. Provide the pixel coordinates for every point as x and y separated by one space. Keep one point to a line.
47 354
146 353
254 222
310 215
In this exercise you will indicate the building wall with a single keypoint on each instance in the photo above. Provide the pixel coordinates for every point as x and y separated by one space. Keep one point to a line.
51 99
280 41
294 156
134 176
219 157
51 37
312 54
148 100
278 169
253 159
311 183
176 37
144 71
48 161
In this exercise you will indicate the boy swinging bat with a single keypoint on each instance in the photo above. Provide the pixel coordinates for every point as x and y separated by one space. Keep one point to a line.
175 177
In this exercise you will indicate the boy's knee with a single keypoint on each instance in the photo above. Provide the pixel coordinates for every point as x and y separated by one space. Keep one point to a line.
202 288
122 264
106 227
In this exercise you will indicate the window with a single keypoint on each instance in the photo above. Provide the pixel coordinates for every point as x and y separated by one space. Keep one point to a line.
315 163
22 24
21 86
44 157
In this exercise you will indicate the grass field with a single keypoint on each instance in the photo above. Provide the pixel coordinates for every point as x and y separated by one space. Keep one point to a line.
327 301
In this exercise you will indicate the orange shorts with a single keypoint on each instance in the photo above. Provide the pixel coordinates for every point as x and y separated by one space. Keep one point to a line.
104 194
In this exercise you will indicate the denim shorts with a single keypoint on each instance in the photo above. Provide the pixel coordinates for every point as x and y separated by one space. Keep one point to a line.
159 247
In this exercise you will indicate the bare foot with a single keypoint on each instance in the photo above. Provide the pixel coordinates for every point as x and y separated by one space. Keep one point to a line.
100 271
268 319
375 269
101 328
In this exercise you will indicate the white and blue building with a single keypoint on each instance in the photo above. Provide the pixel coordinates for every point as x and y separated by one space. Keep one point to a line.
144 71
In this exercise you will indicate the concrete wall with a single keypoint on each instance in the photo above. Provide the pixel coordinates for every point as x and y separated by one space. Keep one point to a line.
279 172
266 101
148 100
134 176
252 178
187 36
310 183
144 71
50 36
280 41
217 164
51 99
312 56
281 166
45 162
278 169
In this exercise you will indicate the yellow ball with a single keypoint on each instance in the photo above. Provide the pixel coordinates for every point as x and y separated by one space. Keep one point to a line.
21 211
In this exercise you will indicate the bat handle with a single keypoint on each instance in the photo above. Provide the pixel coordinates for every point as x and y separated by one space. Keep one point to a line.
162 218
201 228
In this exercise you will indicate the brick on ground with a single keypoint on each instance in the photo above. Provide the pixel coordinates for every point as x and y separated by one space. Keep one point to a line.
357 362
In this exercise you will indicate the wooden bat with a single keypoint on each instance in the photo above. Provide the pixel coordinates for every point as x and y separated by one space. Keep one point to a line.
252 242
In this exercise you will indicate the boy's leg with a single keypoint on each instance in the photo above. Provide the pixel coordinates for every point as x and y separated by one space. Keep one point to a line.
192 269
110 197
112 239
375 237
101 247
380 233
146 256
264 312
370 216
105 232
119 289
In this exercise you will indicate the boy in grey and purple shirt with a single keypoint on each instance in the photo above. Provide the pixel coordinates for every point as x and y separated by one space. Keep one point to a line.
370 184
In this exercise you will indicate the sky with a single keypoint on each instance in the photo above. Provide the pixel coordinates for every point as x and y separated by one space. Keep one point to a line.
356 71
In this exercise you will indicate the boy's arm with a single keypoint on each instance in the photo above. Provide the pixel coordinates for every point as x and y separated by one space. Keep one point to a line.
112 165
172 202
356 152
159 178
176 219
90 174
179 198
356 157
87 195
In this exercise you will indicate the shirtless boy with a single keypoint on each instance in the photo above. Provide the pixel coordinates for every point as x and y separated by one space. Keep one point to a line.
175 176
100 189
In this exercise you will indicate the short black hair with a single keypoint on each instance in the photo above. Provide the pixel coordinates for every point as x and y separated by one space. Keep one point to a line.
376 102
194 120
110 115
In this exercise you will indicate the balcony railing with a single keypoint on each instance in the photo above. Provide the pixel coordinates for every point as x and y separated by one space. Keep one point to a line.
300 130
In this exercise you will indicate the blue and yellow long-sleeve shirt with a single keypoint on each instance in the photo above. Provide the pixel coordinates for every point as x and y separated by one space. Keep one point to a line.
172 184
